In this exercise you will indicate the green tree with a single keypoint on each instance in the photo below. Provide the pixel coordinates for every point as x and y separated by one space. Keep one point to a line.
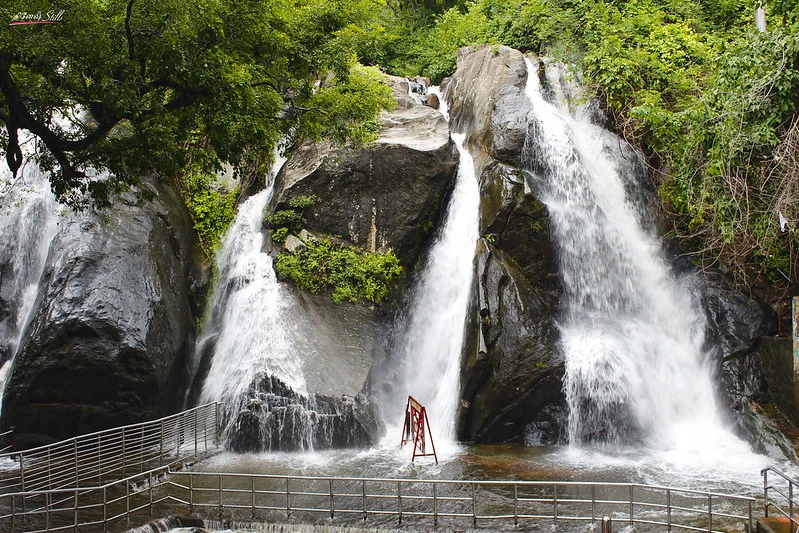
142 86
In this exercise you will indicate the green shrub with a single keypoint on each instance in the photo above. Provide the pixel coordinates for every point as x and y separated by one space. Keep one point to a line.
279 234
352 274
302 202
287 218
212 209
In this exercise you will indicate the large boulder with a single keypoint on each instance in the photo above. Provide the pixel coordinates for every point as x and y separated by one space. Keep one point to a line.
487 101
512 373
511 378
112 323
385 195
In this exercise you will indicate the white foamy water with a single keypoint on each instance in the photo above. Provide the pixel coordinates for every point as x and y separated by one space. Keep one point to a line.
29 216
632 336
428 349
249 311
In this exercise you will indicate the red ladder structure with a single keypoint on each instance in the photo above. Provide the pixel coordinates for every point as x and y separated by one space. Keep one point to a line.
414 429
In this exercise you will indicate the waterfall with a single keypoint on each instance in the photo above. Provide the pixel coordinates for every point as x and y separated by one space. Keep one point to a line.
29 217
430 335
247 331
631 334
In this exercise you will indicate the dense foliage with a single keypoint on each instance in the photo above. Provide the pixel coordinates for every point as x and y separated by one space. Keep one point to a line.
351 273
137 86
181 88
711 101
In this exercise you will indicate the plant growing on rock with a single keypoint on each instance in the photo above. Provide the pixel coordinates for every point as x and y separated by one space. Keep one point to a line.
352 274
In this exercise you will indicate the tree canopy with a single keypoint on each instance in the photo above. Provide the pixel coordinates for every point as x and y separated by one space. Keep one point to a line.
147 86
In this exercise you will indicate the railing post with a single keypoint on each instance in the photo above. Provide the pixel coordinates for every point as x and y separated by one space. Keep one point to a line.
631 505
22 474
220 497
331 498
13 513
141 450
765 492
196 436
607 525
750 530
363 488
105 509
790 502
99 460
435 505
46 511
668 510
49 470
216 425
252 489
515 504
709 513
127 503
555 503
191 493
288 499
150 482
399 500
75 515
124 457
161 445
474 504
77 467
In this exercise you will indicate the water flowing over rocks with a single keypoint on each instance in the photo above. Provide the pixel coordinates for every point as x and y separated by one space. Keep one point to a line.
272 416
112 324
511 377
382 196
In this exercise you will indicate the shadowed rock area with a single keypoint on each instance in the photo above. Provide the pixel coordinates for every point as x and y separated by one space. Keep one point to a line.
112 324
511 377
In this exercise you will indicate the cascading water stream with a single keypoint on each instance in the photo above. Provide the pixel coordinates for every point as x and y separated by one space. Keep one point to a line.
29 217
632 336
428 347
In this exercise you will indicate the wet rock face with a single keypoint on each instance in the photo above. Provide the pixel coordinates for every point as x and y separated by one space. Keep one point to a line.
112 324
512 377
487 101
385 195
734 323
274 417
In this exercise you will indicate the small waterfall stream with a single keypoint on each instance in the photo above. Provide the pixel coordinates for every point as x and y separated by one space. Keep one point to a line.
29 216
632 336
428 347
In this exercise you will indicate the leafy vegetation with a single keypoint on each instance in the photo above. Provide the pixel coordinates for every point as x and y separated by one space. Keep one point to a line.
136 86
178 89
211 207
351 273
711 101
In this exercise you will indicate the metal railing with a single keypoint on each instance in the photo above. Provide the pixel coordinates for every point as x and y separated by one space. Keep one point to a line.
113 506
780 495
110 507
93 459
275 497
7 441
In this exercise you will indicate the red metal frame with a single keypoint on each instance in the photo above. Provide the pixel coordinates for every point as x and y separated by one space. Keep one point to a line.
414 429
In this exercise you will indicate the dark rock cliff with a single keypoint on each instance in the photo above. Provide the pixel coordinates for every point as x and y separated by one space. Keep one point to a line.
511 378
382 196
112 324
